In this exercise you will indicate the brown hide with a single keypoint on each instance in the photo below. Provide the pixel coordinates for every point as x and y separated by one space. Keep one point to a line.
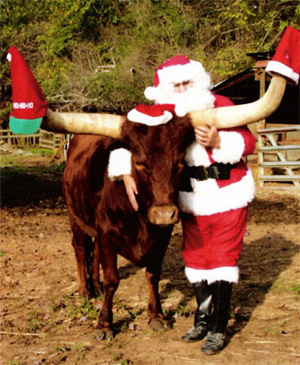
100 209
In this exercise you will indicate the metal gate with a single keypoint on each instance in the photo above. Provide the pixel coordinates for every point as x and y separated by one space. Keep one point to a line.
279 156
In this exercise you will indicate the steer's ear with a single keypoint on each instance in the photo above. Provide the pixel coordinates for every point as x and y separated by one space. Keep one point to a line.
29 104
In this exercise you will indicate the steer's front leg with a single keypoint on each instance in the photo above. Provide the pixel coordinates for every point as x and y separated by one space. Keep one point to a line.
108 259
162 236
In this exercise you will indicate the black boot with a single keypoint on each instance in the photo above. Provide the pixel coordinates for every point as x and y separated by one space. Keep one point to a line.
202 314
221 296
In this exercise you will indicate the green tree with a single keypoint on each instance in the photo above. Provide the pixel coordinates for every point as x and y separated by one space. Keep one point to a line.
99 55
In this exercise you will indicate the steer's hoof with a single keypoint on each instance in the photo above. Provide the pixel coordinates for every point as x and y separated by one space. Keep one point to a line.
101 335
97 292
157 324
84 293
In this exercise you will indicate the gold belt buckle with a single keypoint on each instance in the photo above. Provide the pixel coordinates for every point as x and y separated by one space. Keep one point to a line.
205 173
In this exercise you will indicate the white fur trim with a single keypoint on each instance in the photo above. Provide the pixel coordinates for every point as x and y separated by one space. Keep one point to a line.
231 149
227 273
204 185
284 70
138 117
8 57
196 155
119 163
150 92
207 198
181 111
180 73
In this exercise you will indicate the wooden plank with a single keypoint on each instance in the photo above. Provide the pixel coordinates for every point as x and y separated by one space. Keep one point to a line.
279 148
10 136
279 177
280 163
46 144
278 130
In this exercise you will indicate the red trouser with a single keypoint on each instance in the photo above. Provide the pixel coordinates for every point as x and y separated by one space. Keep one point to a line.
213 241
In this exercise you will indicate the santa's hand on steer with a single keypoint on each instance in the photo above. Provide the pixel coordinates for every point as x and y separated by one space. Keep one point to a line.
208 135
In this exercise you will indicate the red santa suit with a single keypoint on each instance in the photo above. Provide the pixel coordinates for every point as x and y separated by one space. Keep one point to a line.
215 211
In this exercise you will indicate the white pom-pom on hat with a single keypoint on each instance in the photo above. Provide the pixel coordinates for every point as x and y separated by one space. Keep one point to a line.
150 93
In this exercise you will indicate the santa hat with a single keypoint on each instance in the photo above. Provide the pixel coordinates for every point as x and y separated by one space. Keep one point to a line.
286 60
29 104
176 69
151 115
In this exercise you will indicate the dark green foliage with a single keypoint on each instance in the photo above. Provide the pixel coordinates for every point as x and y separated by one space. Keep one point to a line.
99 55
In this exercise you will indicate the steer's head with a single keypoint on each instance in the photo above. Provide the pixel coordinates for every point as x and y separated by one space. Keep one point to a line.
157 163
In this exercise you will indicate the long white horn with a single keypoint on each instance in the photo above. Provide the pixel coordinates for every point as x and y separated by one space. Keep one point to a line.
84 123
238 115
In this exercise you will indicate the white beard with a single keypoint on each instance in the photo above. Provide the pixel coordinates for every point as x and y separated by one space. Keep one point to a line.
197 97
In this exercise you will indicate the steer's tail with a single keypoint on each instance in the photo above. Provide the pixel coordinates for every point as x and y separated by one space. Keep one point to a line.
29 103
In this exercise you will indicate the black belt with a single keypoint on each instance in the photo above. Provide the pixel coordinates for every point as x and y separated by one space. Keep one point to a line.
218 171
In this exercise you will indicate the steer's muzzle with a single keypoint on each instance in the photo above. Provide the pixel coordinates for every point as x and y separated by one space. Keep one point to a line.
163 215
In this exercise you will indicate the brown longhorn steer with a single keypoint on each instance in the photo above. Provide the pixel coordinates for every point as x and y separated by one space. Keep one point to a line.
99 208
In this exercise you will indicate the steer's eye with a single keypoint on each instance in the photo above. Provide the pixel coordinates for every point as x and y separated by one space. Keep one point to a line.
142 167
180 165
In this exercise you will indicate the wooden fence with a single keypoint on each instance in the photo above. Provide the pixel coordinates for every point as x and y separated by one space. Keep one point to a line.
279 156
19 140
43 139
58 143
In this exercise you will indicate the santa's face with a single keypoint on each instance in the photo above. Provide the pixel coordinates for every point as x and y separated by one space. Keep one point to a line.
182 87
187 95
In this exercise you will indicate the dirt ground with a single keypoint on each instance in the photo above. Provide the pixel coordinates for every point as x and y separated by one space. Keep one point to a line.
43 320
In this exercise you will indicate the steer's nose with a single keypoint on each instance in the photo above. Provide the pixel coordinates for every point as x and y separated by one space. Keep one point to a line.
164 215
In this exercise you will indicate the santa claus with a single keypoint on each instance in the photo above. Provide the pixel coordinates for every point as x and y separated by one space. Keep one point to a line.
213 201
